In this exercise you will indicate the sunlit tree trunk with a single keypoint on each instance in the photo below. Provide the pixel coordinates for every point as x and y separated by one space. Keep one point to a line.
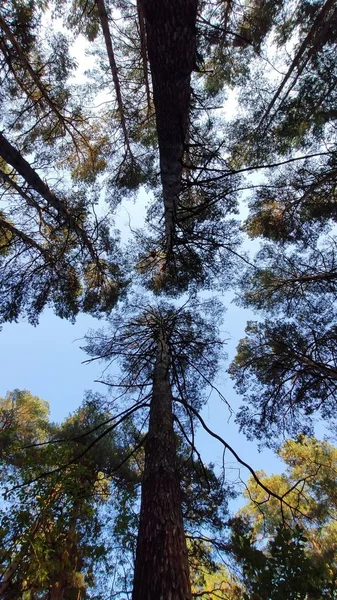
161 570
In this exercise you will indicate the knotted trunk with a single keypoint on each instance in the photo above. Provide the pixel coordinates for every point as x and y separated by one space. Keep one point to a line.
161 570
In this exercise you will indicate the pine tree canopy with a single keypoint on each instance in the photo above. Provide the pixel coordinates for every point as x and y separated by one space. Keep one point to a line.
222 116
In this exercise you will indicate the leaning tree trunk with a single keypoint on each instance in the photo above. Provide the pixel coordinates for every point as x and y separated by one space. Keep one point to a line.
171 45
161 570
15 159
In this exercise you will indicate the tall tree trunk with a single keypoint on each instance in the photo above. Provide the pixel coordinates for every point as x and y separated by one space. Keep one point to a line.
161 571
171 45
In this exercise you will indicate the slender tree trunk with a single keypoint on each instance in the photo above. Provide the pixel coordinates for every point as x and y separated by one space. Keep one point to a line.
306 46
324 276
113 68
69 560
6 226
161 570
57 593
314 365
14 158
142 36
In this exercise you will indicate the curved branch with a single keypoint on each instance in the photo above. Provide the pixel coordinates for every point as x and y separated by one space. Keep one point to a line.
79 456
242 462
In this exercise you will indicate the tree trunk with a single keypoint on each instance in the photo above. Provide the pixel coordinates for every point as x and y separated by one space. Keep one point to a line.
7 578
14 158
113 68
161 570
324 276
171 45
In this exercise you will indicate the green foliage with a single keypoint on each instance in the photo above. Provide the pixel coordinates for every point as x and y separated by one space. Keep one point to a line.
54 481
259 20
297 204
24 421
77 526
99 142
282 570
291 551
287 374
212 581
52 236
289 282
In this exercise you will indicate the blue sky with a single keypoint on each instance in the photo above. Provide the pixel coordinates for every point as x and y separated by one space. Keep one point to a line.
48 361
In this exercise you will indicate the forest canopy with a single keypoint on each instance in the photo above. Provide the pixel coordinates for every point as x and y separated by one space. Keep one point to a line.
211 110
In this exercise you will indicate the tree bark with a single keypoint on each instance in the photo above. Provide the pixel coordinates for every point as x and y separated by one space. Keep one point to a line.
26 239
143 50
315 366
7 578
161 570
324 276
171 45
